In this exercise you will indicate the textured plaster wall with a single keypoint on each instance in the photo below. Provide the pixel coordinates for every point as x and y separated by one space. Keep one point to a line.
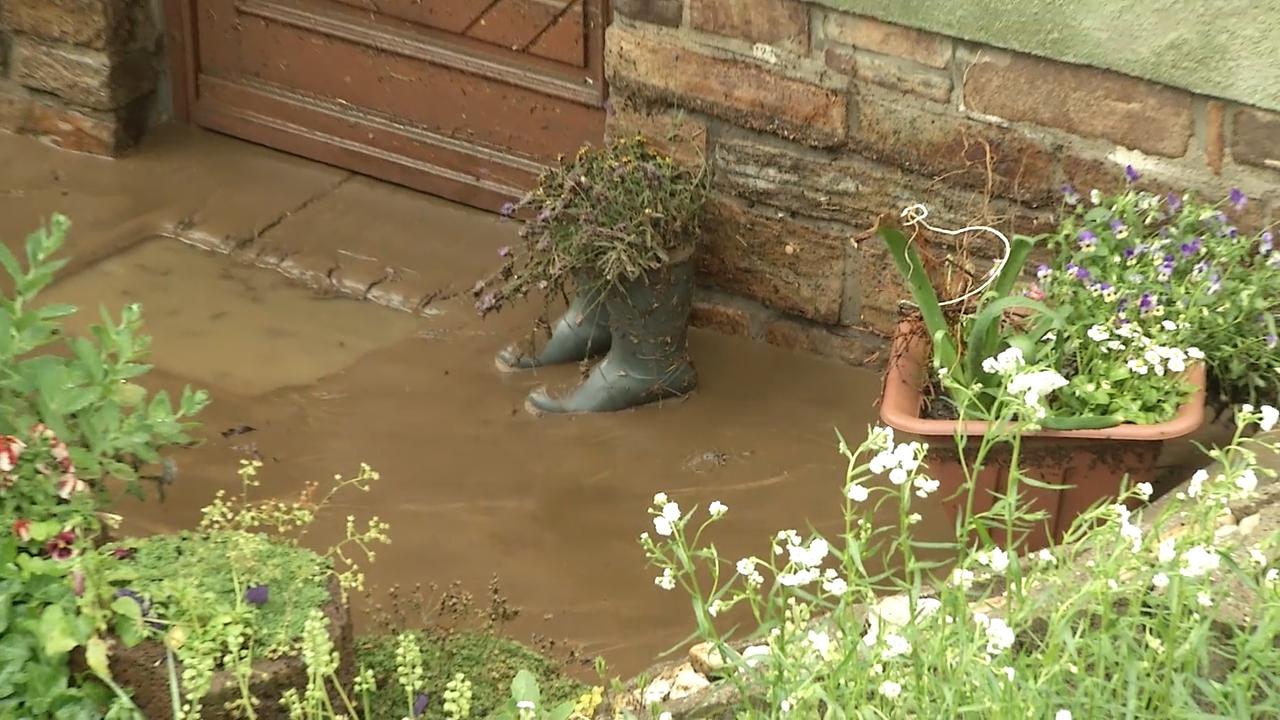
1228 49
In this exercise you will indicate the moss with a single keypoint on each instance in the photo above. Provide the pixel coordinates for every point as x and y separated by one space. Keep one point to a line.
191 578
487 660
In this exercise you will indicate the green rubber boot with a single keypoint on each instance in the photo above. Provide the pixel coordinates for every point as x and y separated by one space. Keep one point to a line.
581 333
649 357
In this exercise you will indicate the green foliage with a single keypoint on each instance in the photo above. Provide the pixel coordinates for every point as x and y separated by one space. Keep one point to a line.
489 662
81 387
603 215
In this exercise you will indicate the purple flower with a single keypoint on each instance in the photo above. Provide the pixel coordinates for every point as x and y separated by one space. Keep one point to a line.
1191 248
504 252
1271 341
1088 241
1043 272
1167 267
1265 246
1174 201
420 704
1237 199
1130 173
1070 196
544 215
1146 304
1131 254
507 209
257 595
123 553
1215 284
486 303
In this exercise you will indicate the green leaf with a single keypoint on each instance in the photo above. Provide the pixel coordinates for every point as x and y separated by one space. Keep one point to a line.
1019 249
561 711
984 333
922 292
6 612
55 632
128 394
55 311
10 264
524 687
95 653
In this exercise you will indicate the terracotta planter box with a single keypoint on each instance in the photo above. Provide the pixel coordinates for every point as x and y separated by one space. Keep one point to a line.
1093 463
142 671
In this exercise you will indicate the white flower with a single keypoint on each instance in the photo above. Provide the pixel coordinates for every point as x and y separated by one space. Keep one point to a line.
671 511
1198 561
1098 333
914 518
897 476
1000 636
1247 482
666 580
1095 197
926 486
1257 556
1160 581
1132 533
1169 325
662 526
895 646
717 509
1046 556
660 499
858 493
1198 479
1195 353
1008 361
1272 575
1166 552
882 461
1204 599
1062 715
746 566
1145 490
835 586
821 642
997 559
962 578
1269 417
714 608
1008 673
799 578
890 689
525 704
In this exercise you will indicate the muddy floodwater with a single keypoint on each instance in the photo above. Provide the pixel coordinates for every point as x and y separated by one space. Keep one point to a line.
472 485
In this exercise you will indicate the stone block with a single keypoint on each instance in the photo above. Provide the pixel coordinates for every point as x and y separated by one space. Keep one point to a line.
941 143
1084 101
94 132
672 131
657 12
96 79
641 64
847 188
94 24
781 23
848 345
1256 139
778 261
15 106
891 73
717 315
867 33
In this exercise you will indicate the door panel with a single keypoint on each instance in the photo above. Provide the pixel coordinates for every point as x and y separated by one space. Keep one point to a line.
468 99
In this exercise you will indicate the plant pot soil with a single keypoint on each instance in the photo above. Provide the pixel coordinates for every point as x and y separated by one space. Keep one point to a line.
142 671
1092 464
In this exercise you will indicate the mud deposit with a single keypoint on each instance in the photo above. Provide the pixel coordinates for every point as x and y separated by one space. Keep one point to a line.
471 484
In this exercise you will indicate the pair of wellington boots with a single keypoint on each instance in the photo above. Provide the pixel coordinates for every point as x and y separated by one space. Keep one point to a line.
641 327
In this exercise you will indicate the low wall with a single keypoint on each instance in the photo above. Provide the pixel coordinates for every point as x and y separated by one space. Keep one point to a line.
817 121
81 74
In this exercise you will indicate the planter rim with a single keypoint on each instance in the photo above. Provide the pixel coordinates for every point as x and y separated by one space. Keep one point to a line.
900 402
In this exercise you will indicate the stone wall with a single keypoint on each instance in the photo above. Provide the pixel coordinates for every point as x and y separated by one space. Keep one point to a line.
817 121
80 74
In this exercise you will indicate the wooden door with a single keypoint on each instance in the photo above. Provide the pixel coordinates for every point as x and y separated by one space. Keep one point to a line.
467 99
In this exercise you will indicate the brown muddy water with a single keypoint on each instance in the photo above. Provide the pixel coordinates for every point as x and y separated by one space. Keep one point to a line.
472 485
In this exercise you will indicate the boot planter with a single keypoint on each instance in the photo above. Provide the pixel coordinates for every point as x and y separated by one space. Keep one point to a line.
648 357
581 333
1093 463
